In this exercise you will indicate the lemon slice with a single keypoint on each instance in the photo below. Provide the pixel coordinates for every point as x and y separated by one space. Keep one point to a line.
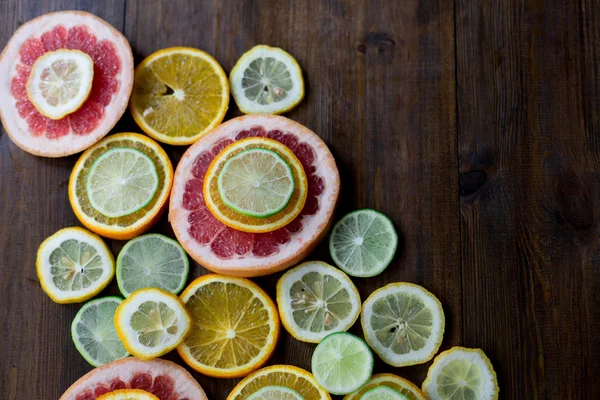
151 322
179 94
74 265
60 82
316 299
128 394
407 388
276 393
383 393
461 373
403 323
266 80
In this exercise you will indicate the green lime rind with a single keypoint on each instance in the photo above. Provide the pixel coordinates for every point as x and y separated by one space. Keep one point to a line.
363 243
383 393
342 363
94 179
85 336
246 211
275 393
142 256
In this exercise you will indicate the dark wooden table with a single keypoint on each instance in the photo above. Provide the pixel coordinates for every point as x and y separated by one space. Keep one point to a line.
475 125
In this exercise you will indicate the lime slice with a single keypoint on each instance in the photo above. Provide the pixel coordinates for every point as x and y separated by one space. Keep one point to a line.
256 182
461 373
403 323
151 322
342 363
266 80
316 299
275 393
121 182
363 243
152 261
383 393
94 334
74 265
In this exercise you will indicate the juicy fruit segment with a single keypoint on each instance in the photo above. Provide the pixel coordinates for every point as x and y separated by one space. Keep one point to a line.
401 385
235 326
179 94
342 363
363 243
266 80
275 393
461 373
403 323
152 261
94 333
151 322
316 299
256 182
60 82
230 216
383 393
73 265
128 394
289 376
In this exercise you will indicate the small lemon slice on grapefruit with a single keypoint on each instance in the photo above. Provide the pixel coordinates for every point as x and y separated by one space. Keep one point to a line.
128 394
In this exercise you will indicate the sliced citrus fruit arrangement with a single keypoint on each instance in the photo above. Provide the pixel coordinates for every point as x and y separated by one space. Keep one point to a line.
60 82
151 322
152 261
266 80
363 243
316 299
289 376
128 164
235 326
73 265
94 334
128 394
461 373
275 393
26 58
227 212
383 393
342 363
231 251
404 323
407 388
179 95
164 379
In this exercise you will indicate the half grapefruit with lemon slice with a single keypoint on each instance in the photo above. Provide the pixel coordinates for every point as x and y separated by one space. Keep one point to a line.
84 114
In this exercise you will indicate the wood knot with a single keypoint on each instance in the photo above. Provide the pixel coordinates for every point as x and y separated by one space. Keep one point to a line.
470 182
381 41
574 202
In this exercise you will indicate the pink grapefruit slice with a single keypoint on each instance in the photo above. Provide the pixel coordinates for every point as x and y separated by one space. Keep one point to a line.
225 250
111 86
164 379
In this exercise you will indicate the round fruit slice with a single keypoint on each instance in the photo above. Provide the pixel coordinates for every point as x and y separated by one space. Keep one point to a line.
94 334
74 265
131 164
60 82
363 243
213 197
275 393
266 80
403 323
179 95
461 373
128 394
289 376
316 299
342 363
407 388
383 393
107 100
152 261
151 322
235 326
230 251
256 182
165 379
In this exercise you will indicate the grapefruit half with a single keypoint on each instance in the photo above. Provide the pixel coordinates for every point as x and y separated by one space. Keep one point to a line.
231 252
111 87
165 379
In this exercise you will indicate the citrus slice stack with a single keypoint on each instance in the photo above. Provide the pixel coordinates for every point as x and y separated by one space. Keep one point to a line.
403 386
236 247
179 95
38 51
130 165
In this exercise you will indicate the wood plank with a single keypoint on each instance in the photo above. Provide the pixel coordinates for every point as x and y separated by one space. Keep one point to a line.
527 118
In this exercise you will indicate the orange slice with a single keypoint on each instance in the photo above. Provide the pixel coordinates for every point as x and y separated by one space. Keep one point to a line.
395 382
